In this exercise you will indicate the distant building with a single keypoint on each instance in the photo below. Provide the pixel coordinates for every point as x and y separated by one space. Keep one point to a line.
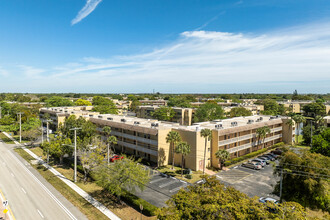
153 102
183 116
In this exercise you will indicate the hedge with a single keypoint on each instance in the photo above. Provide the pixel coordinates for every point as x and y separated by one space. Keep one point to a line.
135 202
253 154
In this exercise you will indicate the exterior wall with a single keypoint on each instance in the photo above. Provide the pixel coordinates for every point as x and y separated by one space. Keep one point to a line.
288 132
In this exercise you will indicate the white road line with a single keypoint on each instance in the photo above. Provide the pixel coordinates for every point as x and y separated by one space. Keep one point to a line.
155 181
40 214
23 190
168 183
12 174
44 187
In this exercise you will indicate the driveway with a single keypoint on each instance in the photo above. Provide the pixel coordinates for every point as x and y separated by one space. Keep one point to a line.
258 183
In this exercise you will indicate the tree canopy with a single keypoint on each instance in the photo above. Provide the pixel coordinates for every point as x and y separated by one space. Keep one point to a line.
306 179
212 200
208 112
104 105
57 101
163 113
321 143
239 111
82 102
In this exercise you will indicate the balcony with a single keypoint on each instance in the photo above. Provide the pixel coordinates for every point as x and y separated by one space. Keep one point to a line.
138 148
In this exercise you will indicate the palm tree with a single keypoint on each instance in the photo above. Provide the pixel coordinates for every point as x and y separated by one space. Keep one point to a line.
222 155
173 137
266 130
182 148
298 119
110 140
207 134
319 120
259 135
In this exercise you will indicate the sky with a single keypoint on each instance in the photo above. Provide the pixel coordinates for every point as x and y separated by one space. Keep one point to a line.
166 46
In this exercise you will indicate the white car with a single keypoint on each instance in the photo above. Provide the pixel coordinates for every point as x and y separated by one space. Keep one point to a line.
268 199
253 165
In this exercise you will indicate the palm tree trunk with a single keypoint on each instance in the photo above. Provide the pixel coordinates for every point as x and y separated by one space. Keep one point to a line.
182 166
173 156
108 158
220 162
204 156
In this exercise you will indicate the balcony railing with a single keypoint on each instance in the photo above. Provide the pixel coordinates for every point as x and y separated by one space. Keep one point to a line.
138 148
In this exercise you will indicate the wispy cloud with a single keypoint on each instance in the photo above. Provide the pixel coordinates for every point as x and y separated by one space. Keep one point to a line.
3 72
209 61
85 11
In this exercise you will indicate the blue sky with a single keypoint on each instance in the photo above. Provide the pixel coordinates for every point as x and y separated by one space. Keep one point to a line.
172 46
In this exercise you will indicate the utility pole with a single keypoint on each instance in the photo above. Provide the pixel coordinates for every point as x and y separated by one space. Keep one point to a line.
75 153
311 133
281 182
20 126
0 111
42 133
47 121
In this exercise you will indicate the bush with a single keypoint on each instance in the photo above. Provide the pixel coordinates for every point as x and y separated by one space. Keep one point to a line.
251 155
135 202
189 176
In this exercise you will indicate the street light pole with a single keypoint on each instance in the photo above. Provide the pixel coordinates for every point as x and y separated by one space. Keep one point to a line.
0 111
75 153
47 121
20 126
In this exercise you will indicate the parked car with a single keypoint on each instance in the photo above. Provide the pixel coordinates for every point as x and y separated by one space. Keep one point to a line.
265 159
273 155
253 165
258 160
269 157
277 152
268 199
115 157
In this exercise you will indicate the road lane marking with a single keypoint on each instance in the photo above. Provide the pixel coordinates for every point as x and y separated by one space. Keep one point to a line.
44 187
12 175
40 214
23 190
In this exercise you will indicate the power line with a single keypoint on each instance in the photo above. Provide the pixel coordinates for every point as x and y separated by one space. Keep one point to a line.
304 166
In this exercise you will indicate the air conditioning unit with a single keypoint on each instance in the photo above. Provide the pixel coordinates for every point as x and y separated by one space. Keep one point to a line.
218 126
234 124
250 121
110 119
272 117
136 122
100 116
261 118
91 115
123 120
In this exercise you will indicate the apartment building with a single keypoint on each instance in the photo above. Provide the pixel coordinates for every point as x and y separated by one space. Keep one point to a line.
254 109
183 116
153 102
327 121
57 115
147 138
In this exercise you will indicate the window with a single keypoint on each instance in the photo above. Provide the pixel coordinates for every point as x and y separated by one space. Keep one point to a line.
208 149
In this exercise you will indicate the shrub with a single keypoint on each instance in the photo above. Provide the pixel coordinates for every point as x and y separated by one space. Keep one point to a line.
135 202
189 176
251 155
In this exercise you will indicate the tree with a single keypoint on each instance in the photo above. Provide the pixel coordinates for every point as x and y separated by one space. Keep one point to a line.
321 143
122 176
207 134
173 137
163 113
212 200
179 102
182 148
315 108
222 156
57 101
104 105
91 156
82 102
110 140
271 107
298 119
134 105
305 179
239 111
208 112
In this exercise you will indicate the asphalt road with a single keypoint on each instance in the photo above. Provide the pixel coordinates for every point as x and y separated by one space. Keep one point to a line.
29 195
258 183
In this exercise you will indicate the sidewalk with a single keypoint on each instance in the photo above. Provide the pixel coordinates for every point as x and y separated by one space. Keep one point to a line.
72 185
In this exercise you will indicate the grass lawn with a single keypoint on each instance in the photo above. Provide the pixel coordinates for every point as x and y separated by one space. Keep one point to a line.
177 173
121 210
5 139
313 214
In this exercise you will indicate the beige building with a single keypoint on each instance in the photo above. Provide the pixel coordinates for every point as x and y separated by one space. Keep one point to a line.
183 116
327 109
153 102
147 138
327 121
57 115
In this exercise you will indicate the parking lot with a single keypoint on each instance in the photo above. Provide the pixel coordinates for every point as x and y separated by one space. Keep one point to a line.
161 188
251 182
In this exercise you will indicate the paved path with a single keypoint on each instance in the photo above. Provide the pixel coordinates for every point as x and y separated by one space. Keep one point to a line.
77 189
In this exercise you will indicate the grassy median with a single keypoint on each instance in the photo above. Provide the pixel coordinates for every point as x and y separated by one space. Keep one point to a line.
121 210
